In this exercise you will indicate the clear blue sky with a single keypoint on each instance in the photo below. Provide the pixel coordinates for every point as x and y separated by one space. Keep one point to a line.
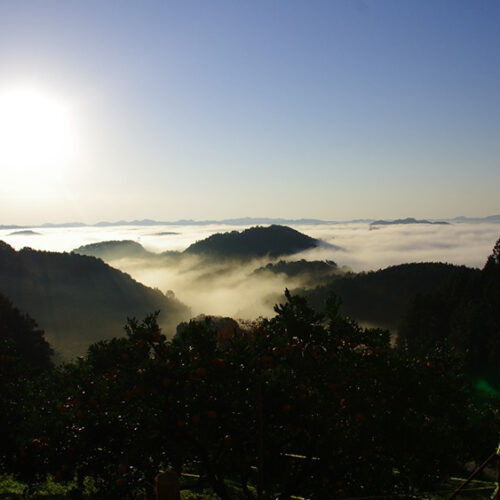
209 109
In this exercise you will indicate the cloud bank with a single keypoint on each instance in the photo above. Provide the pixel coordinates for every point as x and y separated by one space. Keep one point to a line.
232 290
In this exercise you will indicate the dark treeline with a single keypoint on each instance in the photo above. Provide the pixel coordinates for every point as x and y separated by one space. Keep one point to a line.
466 315
382 297
316 271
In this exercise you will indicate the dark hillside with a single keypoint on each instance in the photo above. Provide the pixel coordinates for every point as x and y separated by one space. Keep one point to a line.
20 337
381 297
109 250
464 315
311 272
254 242
76 299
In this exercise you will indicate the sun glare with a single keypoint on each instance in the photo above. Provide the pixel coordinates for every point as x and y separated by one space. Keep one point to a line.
37 135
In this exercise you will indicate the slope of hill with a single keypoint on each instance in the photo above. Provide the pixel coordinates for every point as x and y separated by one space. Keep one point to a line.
272 241
258 241
77 299
464 315
109 250
311 272
382 297
20 337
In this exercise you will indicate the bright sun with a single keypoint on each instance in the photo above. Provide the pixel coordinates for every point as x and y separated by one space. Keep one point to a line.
37 135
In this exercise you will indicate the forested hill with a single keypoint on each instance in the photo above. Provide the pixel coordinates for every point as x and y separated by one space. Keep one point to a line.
465 315
313 273
109 250
382 297
77 299
272 241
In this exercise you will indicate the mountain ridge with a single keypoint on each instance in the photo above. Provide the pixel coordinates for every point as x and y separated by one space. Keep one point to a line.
242 221
408 220
254 242
78 299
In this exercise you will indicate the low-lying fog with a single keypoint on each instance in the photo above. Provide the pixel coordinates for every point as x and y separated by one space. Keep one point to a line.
234 290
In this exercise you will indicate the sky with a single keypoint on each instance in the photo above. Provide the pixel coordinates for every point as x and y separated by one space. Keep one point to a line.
207 110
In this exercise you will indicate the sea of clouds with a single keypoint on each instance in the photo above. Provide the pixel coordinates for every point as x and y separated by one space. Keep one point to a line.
235 291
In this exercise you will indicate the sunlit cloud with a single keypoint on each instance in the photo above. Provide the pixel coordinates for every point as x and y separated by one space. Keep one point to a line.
220 289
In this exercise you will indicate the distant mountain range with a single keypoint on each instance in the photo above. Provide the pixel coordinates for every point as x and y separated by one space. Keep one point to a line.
244 221
490 218
408 220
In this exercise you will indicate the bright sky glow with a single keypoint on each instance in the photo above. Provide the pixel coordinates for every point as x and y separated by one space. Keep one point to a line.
271 108
37 137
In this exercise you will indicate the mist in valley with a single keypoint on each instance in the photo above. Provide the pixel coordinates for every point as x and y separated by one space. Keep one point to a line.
237 288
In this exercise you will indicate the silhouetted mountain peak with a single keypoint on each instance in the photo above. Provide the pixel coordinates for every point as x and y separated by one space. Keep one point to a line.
114 249
258 241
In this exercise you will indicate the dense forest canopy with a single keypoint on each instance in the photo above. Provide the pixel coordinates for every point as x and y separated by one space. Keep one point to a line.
316 271
21 338
465 314
381 297
301 404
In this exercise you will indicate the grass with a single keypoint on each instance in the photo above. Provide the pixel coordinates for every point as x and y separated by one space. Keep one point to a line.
49 490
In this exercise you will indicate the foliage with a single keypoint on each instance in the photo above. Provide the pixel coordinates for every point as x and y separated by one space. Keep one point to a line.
382 297
304 404
316 271
21 337
25 357
464 315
